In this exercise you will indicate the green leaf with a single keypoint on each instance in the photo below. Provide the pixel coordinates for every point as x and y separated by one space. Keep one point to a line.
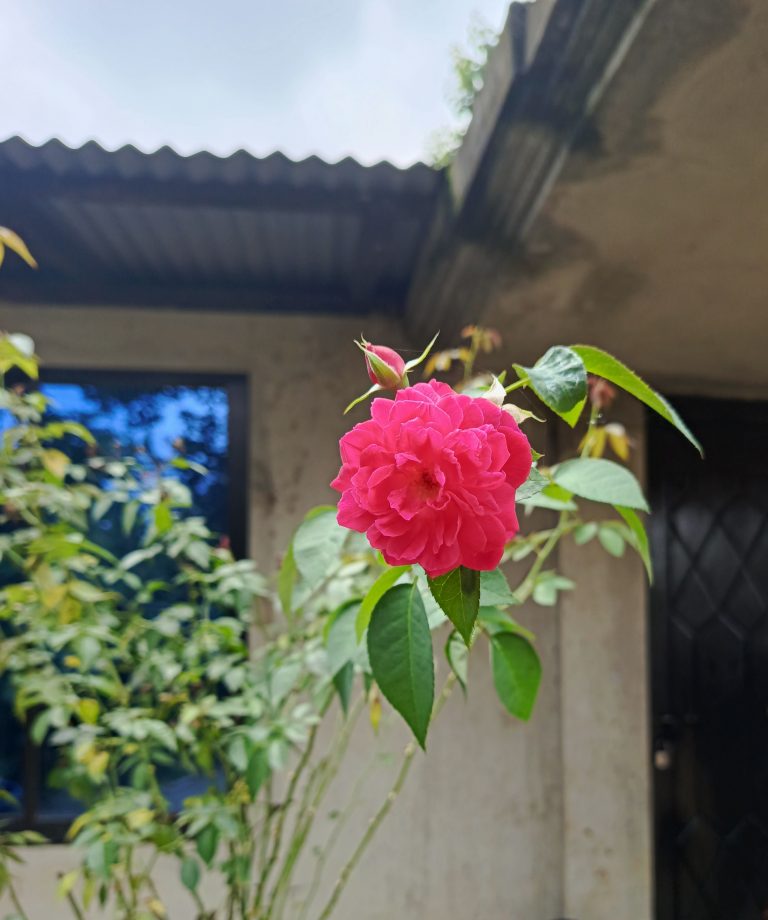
374 389
547 586
458 594
286 579
602 364
88 593
79 431
207 842
639 538
190 873
182 463
238 753
198 552
552 497
400 650
130 510
457 656
559 379
317 545
532 485
342 645
584 533
139 555
256 771
377 590
414 362
601 481
163 517
101 506
495 590
516 673
495 620
611 541
343 681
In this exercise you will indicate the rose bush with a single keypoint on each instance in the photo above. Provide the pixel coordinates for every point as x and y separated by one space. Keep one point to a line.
126 679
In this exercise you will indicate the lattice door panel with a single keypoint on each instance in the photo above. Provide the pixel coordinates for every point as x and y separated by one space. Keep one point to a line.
710 664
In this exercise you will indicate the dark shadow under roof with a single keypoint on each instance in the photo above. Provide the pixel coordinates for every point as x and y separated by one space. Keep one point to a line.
208 232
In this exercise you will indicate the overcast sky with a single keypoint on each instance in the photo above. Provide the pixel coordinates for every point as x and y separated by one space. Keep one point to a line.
333 77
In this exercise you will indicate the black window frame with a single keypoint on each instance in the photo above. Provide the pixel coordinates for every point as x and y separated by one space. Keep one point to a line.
30 817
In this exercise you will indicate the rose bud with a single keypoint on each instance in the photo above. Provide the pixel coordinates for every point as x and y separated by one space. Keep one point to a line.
385 366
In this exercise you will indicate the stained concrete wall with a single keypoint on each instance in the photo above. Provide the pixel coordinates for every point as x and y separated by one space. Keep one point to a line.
501 821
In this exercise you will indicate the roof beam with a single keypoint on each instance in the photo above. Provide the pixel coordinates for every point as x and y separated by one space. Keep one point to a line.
244 298
18 186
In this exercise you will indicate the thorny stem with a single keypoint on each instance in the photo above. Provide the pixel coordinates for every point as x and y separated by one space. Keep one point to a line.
284 808
16 903
264 845
326 771
385 807
524 591
469 361
333 837
74 905
594 414
524 381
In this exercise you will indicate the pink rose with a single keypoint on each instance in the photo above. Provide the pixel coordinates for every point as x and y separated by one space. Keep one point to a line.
431 478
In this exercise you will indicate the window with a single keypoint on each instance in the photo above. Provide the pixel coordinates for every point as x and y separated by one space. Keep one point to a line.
152 417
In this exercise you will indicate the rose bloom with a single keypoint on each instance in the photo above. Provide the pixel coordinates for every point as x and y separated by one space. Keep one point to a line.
431 478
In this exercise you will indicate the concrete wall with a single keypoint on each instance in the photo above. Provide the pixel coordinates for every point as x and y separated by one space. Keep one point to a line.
501 821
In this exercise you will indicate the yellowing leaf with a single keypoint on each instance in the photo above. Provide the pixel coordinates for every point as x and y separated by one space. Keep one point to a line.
67 882
53 596
71 661
442 360
56 462
69 610
78 824
89 890
14 353
88 710
157 909
97 766
520 415
139 818
84 752
374 709
12 241
619 440
594 442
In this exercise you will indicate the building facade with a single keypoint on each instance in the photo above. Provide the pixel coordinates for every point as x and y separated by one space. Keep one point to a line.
612 189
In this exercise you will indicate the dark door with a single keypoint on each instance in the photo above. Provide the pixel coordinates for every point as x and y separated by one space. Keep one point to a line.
709 616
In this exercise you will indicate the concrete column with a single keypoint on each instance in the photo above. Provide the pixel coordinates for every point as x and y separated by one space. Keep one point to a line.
607 793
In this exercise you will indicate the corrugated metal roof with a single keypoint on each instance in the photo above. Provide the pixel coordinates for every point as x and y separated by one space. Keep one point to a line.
235 232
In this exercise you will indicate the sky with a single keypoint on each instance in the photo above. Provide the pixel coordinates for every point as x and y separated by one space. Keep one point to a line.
367 78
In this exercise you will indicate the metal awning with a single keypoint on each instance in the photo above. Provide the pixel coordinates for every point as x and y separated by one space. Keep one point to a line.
216 233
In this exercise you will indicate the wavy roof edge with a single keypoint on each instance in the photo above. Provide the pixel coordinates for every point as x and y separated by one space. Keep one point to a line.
91 160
